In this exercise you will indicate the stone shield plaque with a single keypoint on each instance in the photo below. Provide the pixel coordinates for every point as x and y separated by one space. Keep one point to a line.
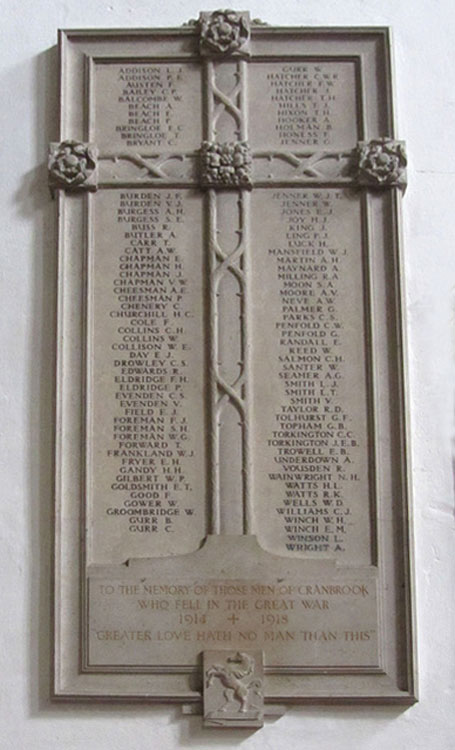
231 473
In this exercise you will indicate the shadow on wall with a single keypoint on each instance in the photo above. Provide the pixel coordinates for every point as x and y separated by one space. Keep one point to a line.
34 203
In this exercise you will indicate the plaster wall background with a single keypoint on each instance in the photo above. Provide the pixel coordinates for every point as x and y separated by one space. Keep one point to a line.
424 40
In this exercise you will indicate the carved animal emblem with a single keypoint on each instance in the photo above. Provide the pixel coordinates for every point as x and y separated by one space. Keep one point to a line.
234 677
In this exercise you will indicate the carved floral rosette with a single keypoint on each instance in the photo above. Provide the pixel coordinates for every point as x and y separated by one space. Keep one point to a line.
224 33
381 163
72 165
226 165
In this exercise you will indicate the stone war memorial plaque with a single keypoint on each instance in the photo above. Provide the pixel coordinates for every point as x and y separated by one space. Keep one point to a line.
232 521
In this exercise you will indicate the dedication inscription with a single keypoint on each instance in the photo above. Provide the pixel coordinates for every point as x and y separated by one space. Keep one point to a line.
232 505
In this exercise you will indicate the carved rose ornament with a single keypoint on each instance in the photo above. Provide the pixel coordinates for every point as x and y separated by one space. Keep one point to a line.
223 32
72 165
382 162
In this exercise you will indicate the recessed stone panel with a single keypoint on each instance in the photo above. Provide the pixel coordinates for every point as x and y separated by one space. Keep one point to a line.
304 104
312 453
147 106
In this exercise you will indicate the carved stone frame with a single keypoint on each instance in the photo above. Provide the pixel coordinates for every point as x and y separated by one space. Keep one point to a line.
381 210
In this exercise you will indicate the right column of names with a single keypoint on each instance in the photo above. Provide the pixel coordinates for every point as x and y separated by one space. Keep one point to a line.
309 374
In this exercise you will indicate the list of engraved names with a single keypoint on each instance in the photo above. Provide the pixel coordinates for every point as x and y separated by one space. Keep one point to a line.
147 107
308 104
310 414
148 455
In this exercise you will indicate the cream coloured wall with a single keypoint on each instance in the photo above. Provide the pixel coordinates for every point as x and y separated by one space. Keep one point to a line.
424 39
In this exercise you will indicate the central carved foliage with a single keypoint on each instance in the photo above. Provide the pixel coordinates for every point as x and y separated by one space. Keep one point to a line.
226 165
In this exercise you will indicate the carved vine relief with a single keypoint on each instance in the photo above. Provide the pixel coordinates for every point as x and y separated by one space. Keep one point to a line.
226 164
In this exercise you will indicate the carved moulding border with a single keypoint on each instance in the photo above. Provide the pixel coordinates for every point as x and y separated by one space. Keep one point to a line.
73 165
232 165
221 263
241 167
153 168
232 102
307 166
69 682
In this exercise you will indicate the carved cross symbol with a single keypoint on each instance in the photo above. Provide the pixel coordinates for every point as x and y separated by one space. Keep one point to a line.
228 169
